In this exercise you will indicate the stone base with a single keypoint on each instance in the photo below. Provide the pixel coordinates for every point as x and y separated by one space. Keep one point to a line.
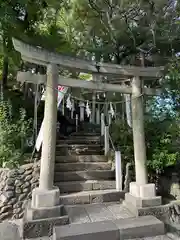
143 202
141 196
42 213
42 227
143 190
129 228
45 198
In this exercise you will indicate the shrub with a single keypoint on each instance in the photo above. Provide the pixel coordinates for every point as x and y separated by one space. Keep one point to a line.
161 143
14 131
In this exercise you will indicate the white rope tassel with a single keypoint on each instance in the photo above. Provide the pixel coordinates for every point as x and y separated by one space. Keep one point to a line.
111 111
88 110
128 109
68 103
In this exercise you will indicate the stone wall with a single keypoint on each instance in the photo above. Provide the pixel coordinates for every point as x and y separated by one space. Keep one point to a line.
15 189
169 186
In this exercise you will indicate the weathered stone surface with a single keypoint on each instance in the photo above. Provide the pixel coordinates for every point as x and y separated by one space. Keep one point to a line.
22 196
18 183
43 227
102 230
6 208
18 190
15 189
28 172
10 181
9 231
28 178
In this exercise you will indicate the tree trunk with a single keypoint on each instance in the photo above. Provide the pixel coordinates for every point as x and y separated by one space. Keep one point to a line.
5 71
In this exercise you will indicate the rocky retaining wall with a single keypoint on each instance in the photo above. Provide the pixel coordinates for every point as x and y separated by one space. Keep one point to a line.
15 189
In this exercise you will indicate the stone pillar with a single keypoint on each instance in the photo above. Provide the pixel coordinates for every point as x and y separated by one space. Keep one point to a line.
47 195
141 193
109 119
93 107
102 124
106 140
81 105
138 132
98 114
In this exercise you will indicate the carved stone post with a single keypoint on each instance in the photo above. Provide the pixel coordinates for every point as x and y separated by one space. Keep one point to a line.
93 107
102 124
106 140
81 105
138 132
47 195
98 114
141 193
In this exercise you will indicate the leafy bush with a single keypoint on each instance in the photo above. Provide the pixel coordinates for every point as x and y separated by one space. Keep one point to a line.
161 143
123 140
14 131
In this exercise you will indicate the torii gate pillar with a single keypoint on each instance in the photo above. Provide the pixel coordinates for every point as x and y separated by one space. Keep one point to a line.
138 132
47 195
141 193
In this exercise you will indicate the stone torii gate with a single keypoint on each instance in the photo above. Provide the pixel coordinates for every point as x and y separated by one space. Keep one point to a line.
46 196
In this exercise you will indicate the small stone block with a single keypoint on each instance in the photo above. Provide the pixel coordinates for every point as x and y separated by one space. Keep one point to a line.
88 231
147 190
142 202
75 199
146 226
101 197
9 231
45 198
41 213
42 227
134 189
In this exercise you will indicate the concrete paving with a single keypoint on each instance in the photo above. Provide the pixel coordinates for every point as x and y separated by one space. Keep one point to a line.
164 237
97 212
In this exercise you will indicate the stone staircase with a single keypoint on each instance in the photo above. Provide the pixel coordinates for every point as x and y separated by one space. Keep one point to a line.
82 172
90 206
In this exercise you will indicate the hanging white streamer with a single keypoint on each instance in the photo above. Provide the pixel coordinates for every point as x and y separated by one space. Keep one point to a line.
88 110
68 103
111 111
128 109
73 107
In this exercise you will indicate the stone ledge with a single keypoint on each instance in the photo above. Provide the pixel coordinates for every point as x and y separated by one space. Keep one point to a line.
161 212
147 226
45 198
41 213
142 202
94 196
42 227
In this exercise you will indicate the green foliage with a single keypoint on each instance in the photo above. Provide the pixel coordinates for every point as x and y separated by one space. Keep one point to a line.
161 142
122 139
120 30
14 131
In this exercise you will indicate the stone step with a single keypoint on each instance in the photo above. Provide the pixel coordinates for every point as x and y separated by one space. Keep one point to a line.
97 137
85 134
81 158
84 175
95 196
121 229
65 167
42 227
80 147
89 185
79 151
79 141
